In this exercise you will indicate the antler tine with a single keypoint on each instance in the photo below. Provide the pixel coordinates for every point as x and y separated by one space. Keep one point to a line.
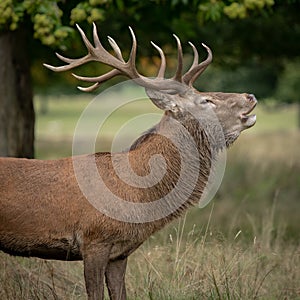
196 56
89 88
132 57
116 48
178 74
98 80
72 63
162 69
197 69
97 42
65 59
99 53
87 43
195 62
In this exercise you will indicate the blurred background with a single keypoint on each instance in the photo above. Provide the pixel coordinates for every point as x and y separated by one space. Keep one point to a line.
249 234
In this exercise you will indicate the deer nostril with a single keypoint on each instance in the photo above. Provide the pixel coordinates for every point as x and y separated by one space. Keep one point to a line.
251 98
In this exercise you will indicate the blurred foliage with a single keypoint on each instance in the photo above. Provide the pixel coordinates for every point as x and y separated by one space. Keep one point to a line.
288 88
45 16
241 9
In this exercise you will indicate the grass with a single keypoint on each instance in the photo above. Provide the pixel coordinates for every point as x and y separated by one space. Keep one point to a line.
205 265
243 245
201 264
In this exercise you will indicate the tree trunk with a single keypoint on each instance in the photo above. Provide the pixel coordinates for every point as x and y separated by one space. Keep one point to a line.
16 99
298 105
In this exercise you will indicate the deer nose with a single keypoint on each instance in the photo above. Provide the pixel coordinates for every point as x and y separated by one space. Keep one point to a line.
251 98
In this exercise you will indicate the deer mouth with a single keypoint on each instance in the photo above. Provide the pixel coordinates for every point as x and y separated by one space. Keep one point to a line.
248 120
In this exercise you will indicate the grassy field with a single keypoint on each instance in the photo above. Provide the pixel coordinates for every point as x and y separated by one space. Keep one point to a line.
243 245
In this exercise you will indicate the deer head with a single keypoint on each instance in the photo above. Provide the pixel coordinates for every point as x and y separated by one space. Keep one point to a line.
176 95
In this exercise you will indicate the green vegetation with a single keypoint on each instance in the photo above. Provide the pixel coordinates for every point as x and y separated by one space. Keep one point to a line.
47 16
243 245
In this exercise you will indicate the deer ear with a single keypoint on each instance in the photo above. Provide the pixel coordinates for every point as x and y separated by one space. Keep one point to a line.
164 100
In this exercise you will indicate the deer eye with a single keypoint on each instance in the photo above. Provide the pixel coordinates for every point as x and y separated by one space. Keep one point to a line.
205 101
211 103
202 101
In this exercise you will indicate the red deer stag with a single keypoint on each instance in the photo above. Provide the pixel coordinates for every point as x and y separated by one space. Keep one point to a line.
49 209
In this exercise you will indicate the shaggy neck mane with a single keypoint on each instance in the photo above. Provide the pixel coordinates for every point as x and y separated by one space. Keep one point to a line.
155 159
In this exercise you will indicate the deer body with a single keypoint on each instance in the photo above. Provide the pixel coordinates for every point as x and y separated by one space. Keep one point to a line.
45 213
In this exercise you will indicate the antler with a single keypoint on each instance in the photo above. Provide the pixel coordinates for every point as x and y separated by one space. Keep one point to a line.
97 53
197 69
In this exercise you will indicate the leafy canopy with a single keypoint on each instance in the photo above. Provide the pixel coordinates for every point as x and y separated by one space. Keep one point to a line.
53 20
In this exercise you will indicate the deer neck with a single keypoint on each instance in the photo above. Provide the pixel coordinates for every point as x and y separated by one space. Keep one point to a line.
167 169
173 155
